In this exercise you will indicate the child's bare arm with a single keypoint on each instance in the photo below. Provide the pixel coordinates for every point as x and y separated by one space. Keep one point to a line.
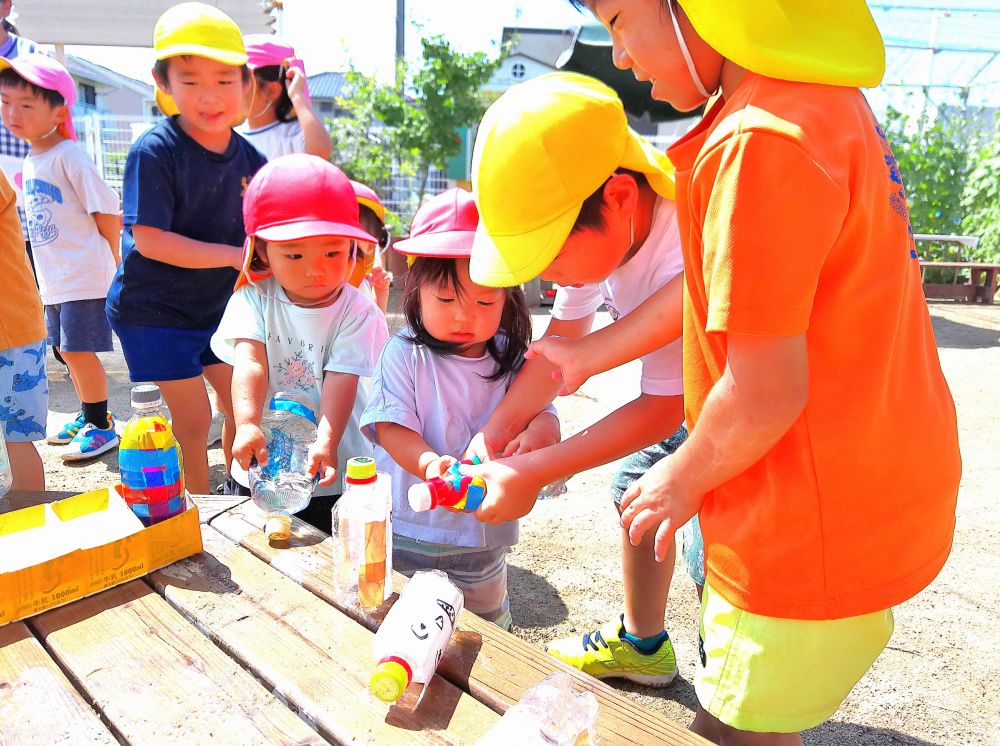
181 251
541 432
760 395
110 227
314 132
249 391
532 390
410 450
336 402
653 324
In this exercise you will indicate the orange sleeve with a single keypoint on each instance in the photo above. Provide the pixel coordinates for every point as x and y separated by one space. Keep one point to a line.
770 218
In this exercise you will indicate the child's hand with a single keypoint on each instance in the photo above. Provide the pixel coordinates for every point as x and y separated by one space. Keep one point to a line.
249 444
380 278
511 491
323 461
297 87
543 431
438 466
484 446
567 356
658 499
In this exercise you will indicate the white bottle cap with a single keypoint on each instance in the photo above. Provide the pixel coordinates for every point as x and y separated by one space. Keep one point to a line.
419 497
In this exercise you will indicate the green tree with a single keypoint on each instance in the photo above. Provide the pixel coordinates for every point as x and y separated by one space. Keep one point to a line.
361 145
981 199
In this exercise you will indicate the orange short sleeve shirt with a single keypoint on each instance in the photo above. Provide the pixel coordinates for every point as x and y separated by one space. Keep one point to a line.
21 319
793 221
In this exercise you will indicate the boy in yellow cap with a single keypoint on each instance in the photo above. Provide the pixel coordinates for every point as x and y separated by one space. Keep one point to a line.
183 237
606 230
811 391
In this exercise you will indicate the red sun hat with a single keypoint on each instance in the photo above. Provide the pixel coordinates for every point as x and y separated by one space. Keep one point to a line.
443 227
265 50
46 72
294 197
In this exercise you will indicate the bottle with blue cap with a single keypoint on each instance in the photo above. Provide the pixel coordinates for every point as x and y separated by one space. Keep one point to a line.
282 486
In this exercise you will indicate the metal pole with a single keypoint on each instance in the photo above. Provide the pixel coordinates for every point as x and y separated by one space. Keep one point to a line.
400 38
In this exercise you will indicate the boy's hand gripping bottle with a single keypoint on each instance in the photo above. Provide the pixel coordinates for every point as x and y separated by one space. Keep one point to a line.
452 490
283 486
362 536
409 644
150 460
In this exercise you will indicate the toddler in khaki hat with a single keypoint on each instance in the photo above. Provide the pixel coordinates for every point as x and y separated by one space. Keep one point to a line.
183 238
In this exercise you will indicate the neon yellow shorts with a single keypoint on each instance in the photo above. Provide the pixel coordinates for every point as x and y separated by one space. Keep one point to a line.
771 675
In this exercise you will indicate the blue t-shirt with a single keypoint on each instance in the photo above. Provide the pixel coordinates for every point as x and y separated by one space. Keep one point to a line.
173 183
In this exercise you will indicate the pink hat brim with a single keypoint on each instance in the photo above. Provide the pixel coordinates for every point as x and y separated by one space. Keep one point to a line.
300 229
443 245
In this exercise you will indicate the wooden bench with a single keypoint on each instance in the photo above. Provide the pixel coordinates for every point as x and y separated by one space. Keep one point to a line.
983 276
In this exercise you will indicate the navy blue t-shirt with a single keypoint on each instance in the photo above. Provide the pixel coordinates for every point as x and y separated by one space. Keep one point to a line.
173 183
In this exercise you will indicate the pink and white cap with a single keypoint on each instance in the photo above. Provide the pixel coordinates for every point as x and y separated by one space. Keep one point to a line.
46 72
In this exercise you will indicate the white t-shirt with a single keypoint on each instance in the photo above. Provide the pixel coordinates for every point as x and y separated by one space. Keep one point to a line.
62 190
447 400
276 139
302 343
657 261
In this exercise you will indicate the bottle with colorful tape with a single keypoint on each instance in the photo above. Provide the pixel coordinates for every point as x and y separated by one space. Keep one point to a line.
150 461
453 490
282 486
362 536
411 640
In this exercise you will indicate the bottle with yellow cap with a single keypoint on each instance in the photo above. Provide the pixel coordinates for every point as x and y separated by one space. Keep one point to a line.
411 640
362 536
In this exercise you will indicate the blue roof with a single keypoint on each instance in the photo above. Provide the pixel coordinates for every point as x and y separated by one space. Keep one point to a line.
327 85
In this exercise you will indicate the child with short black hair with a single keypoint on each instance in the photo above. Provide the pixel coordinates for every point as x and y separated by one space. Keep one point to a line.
369 275
74 224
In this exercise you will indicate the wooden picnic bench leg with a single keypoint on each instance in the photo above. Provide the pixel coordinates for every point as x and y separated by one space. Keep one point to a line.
992 275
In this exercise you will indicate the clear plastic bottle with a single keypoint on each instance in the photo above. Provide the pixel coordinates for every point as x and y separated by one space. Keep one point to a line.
452 490
362 536
411 640
549 714
150 461
283 486
6 473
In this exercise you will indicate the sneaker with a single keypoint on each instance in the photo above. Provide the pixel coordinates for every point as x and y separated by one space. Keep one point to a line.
68 432
604 655
89 442
215 430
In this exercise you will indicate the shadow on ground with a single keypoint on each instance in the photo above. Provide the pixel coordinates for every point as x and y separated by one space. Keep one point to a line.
860 735
537 602
954 335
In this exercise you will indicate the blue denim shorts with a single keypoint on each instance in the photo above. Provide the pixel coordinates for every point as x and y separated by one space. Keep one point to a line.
24 392
162 353
633 467
78 326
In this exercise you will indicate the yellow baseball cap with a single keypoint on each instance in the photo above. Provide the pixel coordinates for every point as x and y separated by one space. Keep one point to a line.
543 147
835 42
198 29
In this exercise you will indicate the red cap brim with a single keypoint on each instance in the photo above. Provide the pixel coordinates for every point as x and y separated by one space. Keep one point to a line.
443 245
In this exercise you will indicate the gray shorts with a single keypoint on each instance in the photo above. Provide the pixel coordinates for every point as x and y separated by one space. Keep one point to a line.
633 467
79 326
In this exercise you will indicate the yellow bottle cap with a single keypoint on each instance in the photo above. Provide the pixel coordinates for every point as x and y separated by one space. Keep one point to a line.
360 468
278 527
389 681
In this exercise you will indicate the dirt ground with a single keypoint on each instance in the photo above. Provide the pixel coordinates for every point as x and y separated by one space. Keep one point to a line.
937 683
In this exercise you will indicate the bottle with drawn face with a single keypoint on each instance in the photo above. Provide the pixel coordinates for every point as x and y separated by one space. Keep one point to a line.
409 644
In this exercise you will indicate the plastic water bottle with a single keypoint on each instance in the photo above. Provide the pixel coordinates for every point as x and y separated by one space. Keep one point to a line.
6 473
409 644
150 460
548 714
283 486
362 536
452 490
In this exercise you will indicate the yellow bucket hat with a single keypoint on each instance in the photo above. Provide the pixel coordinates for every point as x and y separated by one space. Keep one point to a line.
198 29
543 147
835 42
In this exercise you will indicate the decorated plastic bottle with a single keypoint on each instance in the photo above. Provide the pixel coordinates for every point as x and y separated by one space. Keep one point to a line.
6 474
452 490
409 644
283 486
362 525
549 714
150 461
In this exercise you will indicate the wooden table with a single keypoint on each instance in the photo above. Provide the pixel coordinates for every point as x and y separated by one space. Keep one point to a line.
243 644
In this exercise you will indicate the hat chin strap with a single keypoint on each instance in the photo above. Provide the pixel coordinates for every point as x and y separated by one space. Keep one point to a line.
686 54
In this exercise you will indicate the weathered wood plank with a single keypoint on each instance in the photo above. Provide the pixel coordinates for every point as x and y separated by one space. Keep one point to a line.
317 658
496 667
38 704
210 506
157 679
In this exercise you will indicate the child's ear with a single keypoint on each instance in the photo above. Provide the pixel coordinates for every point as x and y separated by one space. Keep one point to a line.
621 193
161 82
62 114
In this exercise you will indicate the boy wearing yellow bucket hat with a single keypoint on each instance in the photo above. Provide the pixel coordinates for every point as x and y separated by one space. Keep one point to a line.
811 379
568 190
183 237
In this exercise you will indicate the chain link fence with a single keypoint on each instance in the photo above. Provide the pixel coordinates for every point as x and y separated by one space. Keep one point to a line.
107 138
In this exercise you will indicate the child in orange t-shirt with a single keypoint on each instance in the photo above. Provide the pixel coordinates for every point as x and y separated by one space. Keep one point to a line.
804 319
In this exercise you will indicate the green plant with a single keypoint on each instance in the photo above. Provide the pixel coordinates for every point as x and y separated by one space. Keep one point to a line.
981 198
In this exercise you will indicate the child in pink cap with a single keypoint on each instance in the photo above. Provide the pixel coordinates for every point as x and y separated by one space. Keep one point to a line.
74 225
295 325
434 387
280 118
